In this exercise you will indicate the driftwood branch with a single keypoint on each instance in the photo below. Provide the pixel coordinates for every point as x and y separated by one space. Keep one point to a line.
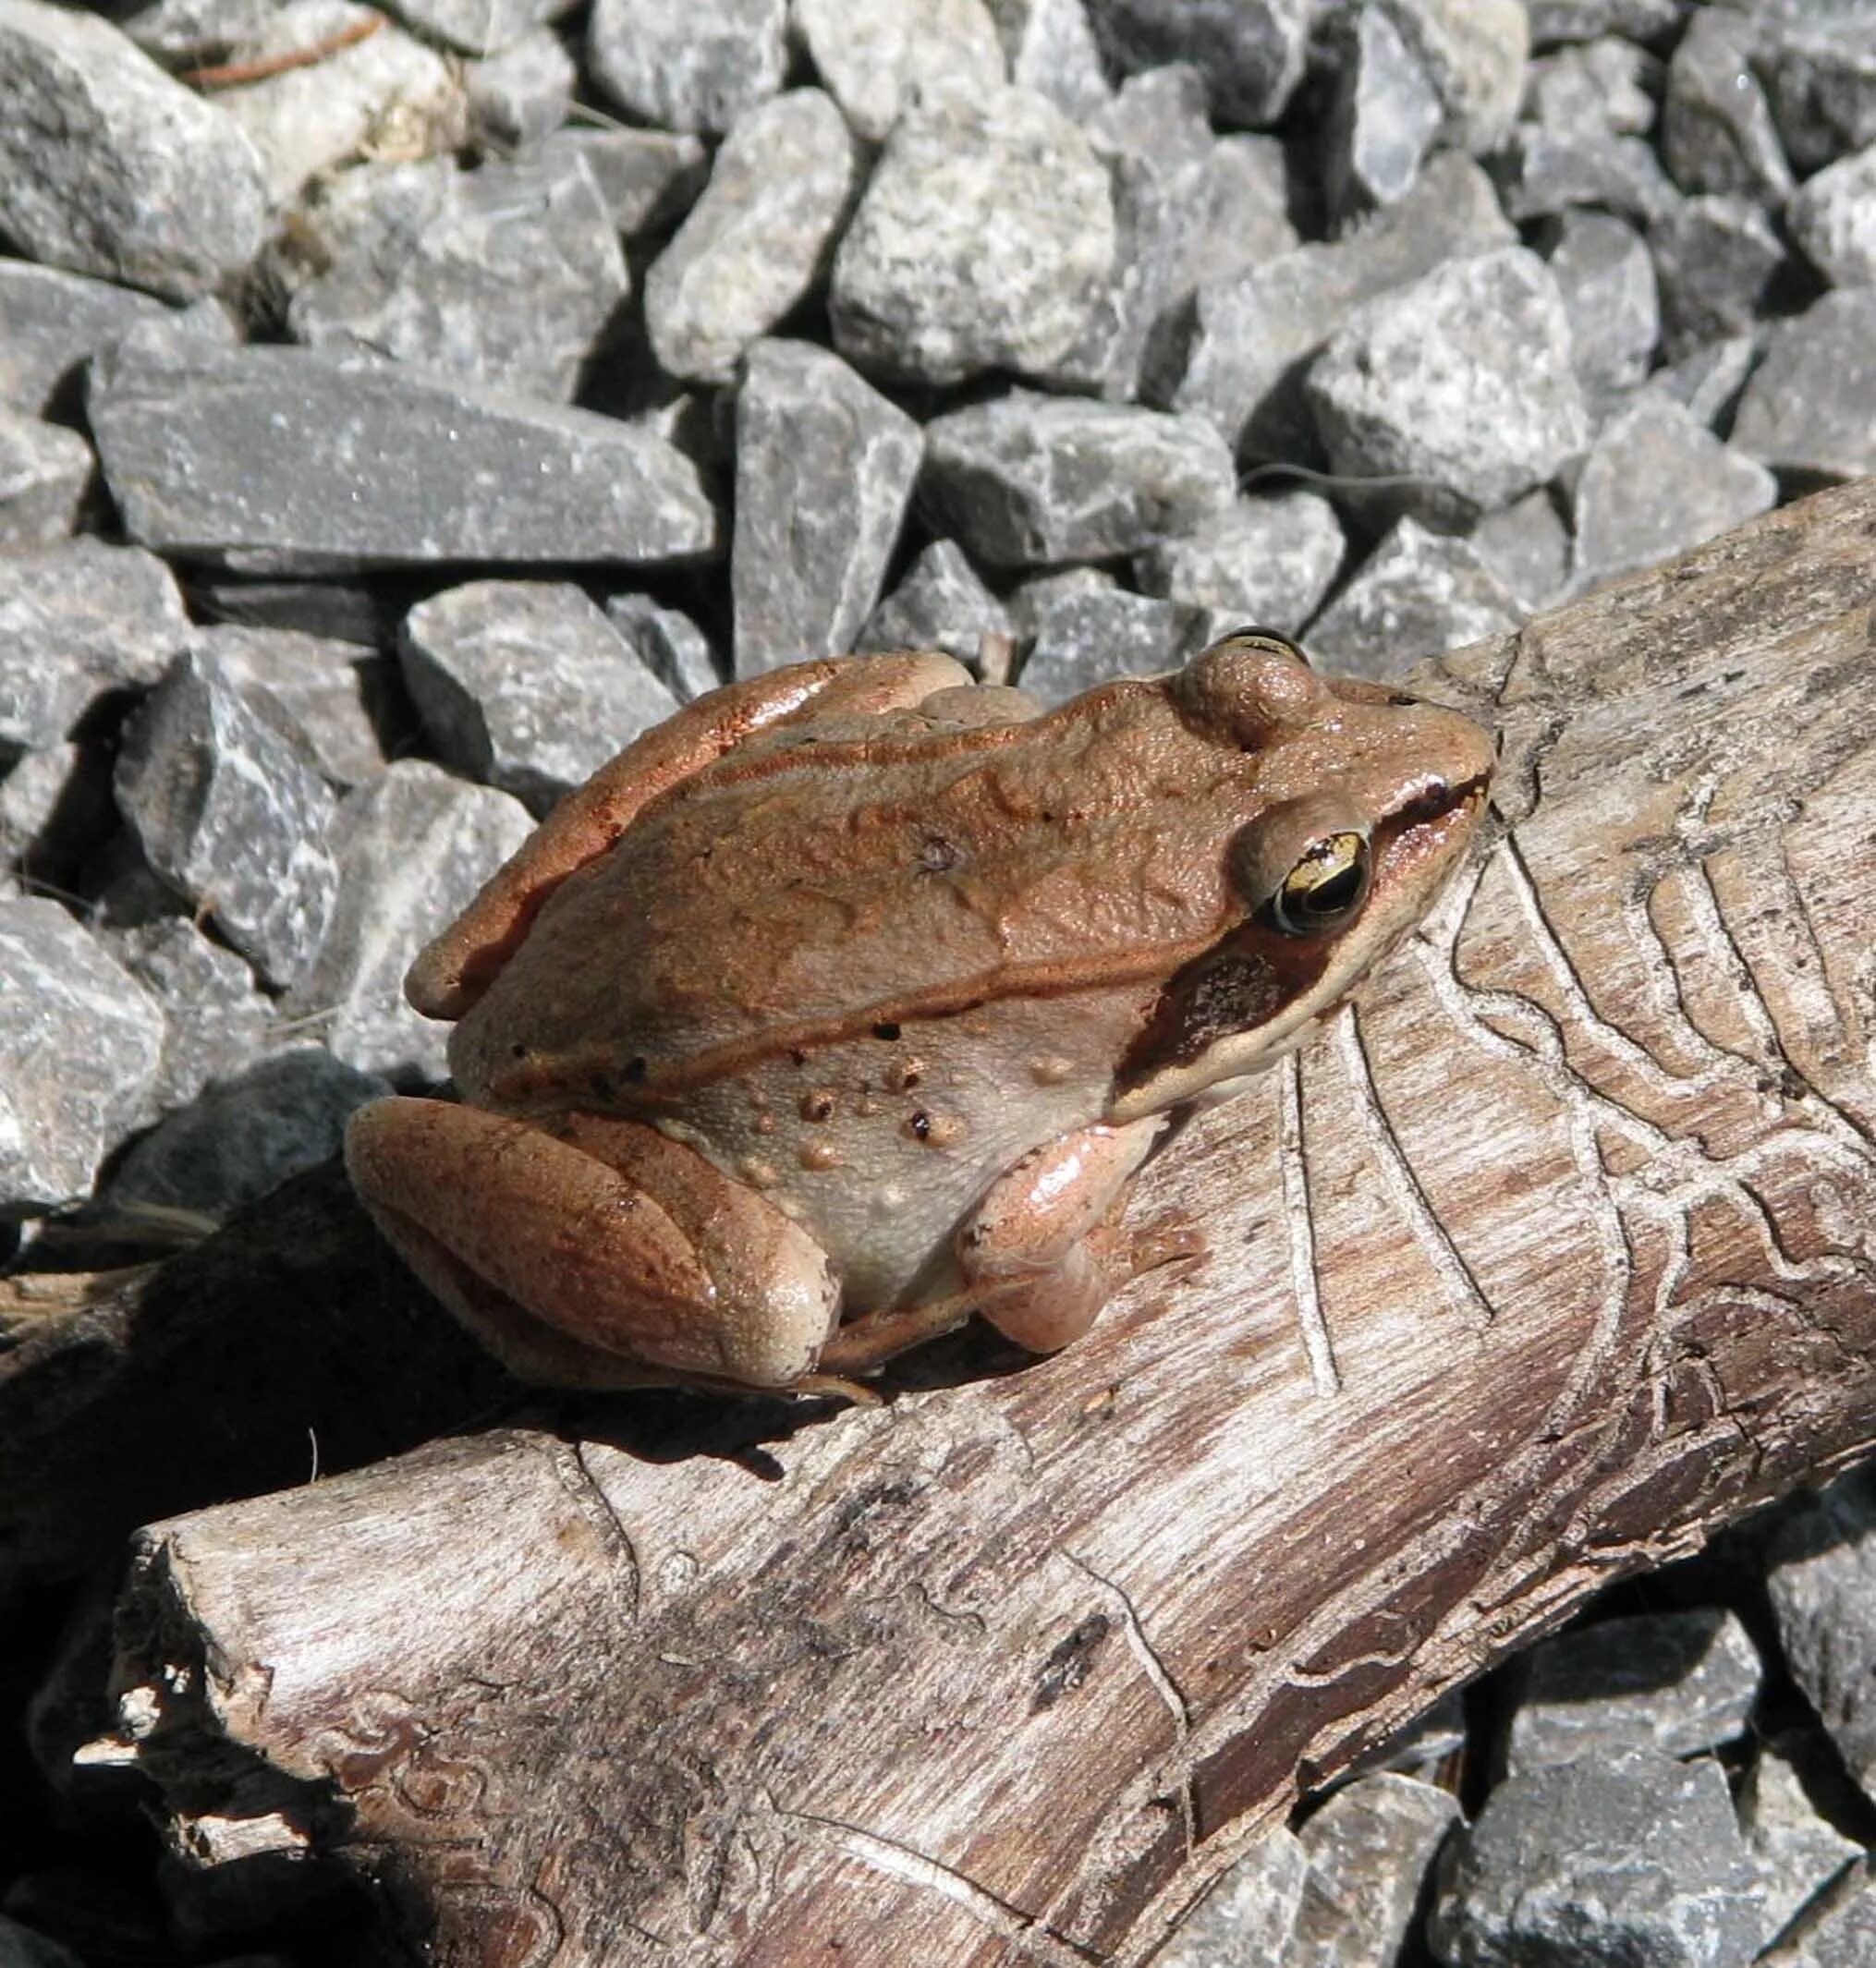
1561 1256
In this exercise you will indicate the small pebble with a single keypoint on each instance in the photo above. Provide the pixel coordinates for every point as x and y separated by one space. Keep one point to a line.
942 603
1798 1852
1543 172
1474 54
1832 217
323 693
1809 407
516 98
215 1020
1716 127
689 64
1051 48
875 56
1250 53
1416 595
1709 378
51 325
479 27
1815 62
1369 1847
1268 560
1605 82
1716 259
1606 277
45 473
667 642
1084 640
1246 1919
1386 113
1527 546
647 179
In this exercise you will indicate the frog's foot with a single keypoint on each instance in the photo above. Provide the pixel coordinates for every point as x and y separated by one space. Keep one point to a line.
593 1253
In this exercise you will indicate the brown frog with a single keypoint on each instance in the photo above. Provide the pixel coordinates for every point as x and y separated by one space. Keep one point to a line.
848 1002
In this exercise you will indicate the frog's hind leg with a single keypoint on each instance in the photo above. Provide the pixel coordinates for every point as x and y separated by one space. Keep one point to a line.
588 1253
454 970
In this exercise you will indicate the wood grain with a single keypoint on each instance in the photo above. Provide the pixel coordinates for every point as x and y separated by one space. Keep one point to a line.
1558 1256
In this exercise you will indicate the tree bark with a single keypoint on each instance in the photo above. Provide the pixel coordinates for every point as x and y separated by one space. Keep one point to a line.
1559 1256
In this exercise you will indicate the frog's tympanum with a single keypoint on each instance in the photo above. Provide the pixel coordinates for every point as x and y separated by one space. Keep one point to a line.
848 1002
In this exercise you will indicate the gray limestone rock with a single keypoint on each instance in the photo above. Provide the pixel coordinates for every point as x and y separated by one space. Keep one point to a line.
1603 82
1810 409
1543 172
1029 601
757 239
874 56
1247 1918
478 27
1845 1937
1818 59
941 604
525 685
44 471
286 461
985 239
215 1021
1418 594
1680 1681
1714 259
51 324
386 94
55 808
413 847
1257 331
1267 560
1369 1847
1832 217
231 814
1709 378
1628 1860
1716 127
78 620
322 693
110 166
1051 48
1655 483
1157 147
825 467
667 642
507 277
1088 638
1461 380
1251 54
1797 1851
648 179
1385 114
1026 478
519 97
1570 21
1526 547
242 1135
1605 275
689 64
1474 54
79 1050
192 33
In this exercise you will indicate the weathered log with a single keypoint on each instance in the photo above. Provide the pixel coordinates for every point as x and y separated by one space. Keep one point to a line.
1560 1255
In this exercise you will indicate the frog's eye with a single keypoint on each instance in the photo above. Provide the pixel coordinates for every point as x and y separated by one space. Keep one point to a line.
1325 888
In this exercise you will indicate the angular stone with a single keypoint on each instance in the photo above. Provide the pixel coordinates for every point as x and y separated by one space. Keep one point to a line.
525 685
667 642
478 27
1369 1848
1605 275
941 604
1716 129
1257 331
1267 560
1473 53
505 276
689 64
230 814
54 808
385 92
1680 1681
1834 219
757 239
1655 483
242 1135
1818 59
1051 49
1251 54
1633 1859
1714 258
1385 114
194 34
1810 409
1435 1739
1028 602
873 55
825 467
77 621
519 97
78 1050
1418 594
1088 638
1247 1918
44 470
648 179
1604 82
1026 478
1845 1937
110 166
51 325
357 611
1797 1851
326 695
1709 378
215 1021
1543 172
1158 146
1461 380
983 240
283 461
1526 548
413 848
1566 20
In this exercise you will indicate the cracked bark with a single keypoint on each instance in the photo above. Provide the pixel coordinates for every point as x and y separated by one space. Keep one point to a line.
1009 1670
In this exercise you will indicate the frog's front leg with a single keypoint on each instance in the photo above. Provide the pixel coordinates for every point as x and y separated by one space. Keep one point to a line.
594 1253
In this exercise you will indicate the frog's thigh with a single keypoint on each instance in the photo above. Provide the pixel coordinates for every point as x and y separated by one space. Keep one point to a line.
455 969
1038 1251
582 1250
